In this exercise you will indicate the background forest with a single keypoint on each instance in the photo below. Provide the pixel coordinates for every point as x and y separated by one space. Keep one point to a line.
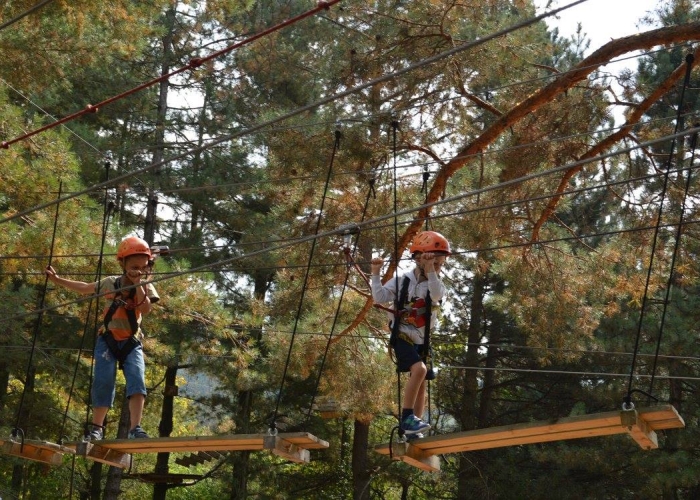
568 193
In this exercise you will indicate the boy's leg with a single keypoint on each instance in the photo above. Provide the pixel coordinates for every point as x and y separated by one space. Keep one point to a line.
419 405
103 384
415 381
135 375
136 403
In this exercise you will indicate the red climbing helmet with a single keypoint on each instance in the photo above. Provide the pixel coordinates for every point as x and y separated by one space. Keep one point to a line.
133 246
430 241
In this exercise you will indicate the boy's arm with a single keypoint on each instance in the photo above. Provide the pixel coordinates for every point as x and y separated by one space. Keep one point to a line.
77 286
381 294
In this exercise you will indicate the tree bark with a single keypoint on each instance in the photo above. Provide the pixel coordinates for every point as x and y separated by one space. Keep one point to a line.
114 475
468 408
165 428
360 462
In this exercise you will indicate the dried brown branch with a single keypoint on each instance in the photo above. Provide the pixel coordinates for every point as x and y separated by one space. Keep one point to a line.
632 119
601 57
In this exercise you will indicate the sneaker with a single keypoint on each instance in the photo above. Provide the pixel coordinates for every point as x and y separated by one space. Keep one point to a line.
413 425
95 433
413 437
137 433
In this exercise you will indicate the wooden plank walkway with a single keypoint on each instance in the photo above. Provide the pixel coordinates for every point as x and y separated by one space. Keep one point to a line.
640 424
293 446
37 451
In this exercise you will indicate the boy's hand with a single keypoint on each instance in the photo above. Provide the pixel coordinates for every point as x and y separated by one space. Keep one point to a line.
376 265
50 272
428 261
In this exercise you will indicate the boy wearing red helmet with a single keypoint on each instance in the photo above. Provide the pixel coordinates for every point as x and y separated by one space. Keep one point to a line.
118 342
417 290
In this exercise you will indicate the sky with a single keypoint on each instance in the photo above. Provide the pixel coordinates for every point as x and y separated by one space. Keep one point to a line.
601 20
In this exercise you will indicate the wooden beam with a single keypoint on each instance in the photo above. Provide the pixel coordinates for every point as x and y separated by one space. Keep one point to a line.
37 451
94 451
233 442
639 429
404 452
285 449
642 429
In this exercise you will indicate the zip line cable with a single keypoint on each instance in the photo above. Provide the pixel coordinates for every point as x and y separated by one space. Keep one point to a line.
412 164
444 341
308 107
627 400
565 372
403 166
46 113
302 295
192 65
24 14
37 328
371 116
378 227
370 222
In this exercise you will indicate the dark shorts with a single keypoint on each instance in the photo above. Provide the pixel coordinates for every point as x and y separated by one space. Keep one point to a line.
407 354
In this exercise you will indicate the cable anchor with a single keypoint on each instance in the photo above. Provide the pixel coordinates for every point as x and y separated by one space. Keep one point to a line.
348 231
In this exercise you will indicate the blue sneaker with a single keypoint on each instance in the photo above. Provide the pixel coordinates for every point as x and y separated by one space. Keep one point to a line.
413 437
137 433
413 425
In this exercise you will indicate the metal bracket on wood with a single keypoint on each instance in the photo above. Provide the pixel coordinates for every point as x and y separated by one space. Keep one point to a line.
285 449
639 429
94 451
416 457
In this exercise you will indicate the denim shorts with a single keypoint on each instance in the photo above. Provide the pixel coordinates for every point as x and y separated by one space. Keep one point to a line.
103 384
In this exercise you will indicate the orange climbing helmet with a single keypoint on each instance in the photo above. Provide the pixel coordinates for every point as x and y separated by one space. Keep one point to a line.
133 245
430 241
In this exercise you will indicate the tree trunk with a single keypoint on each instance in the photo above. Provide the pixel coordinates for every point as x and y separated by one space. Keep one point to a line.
4 382
360 462
468 412
165 428
95 481
241 460
114 476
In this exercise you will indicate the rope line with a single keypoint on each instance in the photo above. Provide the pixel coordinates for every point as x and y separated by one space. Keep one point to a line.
348 266
192 65
627 400
565 372
308 107
395 259
447 341
373 221
669 283
24 14
302 295
37 326
378 227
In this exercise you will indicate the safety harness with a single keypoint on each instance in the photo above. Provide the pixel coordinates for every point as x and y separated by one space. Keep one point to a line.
399 312
121 353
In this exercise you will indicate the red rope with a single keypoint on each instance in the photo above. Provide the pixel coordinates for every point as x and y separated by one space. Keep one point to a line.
193 64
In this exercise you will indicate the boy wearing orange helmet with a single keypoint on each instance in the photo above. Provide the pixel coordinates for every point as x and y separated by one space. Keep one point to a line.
118 342
413 295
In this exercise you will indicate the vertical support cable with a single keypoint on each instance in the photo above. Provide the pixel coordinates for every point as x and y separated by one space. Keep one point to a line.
627 400
37 325
336 145
395 327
